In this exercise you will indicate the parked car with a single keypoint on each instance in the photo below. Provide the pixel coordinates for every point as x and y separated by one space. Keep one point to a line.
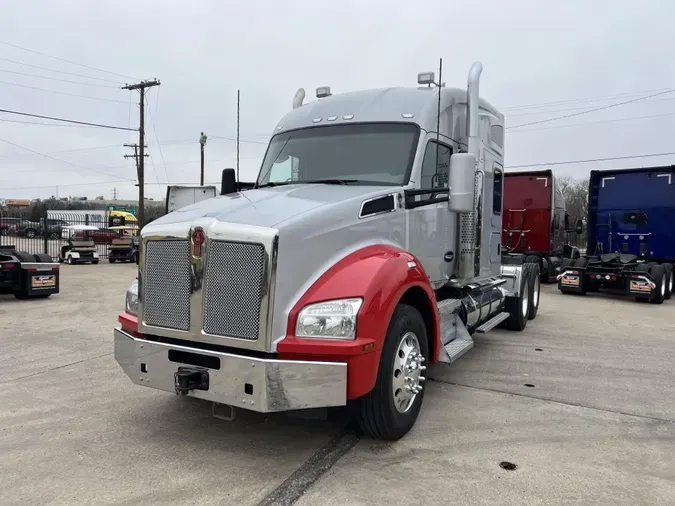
32 229
99 236
28 229
8 225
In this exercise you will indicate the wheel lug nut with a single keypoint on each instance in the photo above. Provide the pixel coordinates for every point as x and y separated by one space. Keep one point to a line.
423 368
421 378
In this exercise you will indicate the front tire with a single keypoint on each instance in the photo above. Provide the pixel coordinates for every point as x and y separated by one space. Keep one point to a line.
390 410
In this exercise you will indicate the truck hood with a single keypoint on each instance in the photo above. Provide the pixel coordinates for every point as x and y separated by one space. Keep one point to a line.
270 207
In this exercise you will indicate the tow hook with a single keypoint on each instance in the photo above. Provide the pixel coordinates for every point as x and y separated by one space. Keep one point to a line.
190 378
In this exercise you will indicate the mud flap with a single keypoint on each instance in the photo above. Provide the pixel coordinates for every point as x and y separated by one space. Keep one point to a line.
640 287
571 280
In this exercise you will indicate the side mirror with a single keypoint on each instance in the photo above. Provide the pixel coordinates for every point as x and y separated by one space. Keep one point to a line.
228 183
461 182
580 227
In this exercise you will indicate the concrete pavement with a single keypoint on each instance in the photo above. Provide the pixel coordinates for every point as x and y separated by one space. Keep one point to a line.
596 427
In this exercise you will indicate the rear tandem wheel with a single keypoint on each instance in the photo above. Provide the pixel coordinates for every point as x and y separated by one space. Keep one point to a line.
519 307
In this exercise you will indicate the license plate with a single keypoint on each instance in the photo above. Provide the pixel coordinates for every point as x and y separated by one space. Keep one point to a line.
43 281
570 280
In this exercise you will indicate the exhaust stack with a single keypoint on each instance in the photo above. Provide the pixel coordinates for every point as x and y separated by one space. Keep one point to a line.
298 98
470 223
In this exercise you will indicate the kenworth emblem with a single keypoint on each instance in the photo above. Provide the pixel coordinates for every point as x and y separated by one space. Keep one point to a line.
197 241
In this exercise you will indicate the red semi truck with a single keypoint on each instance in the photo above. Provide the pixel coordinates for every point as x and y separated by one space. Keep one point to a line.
535 221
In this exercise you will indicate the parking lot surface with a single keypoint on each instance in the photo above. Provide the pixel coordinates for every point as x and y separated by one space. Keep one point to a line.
596 426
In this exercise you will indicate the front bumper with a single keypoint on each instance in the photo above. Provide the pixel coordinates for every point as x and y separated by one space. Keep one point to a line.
256 384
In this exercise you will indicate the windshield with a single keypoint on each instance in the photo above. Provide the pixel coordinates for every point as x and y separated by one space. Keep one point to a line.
374 153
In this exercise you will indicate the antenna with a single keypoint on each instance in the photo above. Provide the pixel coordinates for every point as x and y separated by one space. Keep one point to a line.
438 114
238 94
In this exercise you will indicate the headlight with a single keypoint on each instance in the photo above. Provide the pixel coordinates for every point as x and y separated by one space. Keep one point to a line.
132 299
333 319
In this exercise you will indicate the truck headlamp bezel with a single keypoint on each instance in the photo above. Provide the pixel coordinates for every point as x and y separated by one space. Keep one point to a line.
131 302
331 319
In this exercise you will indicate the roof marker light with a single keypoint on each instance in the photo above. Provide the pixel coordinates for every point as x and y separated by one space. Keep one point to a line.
316 120
331 118
348 116
407 115
426 78
323 91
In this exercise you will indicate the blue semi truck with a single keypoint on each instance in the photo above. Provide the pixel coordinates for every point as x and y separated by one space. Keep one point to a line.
631 235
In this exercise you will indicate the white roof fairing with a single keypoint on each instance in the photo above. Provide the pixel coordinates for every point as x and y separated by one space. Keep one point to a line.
386 105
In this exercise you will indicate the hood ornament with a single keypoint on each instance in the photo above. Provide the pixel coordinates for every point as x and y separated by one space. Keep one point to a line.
198 238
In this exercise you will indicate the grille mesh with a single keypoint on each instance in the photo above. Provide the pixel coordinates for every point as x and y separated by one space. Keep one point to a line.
233 289
166 284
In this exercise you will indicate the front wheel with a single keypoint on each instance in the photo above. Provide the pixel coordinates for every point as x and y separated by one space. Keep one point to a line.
390 410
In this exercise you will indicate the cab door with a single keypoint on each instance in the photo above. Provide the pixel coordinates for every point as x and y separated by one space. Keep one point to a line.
431 227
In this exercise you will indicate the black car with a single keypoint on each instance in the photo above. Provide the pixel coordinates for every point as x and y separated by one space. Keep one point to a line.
32 229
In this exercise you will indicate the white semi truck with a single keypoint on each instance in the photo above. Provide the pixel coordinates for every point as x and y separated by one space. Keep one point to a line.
368 249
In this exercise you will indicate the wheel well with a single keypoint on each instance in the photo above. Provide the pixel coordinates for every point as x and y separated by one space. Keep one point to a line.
418 298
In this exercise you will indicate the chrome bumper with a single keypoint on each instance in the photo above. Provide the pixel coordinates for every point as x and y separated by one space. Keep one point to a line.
274 385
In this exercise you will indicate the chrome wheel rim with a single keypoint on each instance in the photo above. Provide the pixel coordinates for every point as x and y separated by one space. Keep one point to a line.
535 294
663 286
407 376
526 301
670 282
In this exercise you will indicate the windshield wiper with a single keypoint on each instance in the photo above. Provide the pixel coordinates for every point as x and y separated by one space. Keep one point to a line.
327 181
272 184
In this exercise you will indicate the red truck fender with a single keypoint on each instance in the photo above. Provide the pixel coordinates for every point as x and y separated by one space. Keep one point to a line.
383 276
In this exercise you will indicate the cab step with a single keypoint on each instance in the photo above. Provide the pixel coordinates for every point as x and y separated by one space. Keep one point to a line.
492 323
457 348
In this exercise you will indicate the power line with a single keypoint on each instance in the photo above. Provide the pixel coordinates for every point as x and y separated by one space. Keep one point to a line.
582 100
235 139
584 108
593 123
64 60
63 92
59 71
592 110
43 124
57 79
64 185
62 151
159 147
99 125
648 155
57 159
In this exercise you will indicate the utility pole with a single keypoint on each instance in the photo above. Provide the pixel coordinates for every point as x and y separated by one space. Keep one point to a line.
202 143
114 193
135 156
140 154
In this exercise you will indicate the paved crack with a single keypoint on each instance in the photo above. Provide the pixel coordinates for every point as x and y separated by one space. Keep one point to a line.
565 403
309 473
55 368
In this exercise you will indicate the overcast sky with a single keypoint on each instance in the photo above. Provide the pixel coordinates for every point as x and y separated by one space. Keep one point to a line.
574 55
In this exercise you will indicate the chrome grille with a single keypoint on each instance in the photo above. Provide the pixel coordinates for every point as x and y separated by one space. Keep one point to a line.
234 287
166 284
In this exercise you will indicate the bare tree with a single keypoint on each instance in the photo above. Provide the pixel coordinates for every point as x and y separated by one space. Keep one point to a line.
576 203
